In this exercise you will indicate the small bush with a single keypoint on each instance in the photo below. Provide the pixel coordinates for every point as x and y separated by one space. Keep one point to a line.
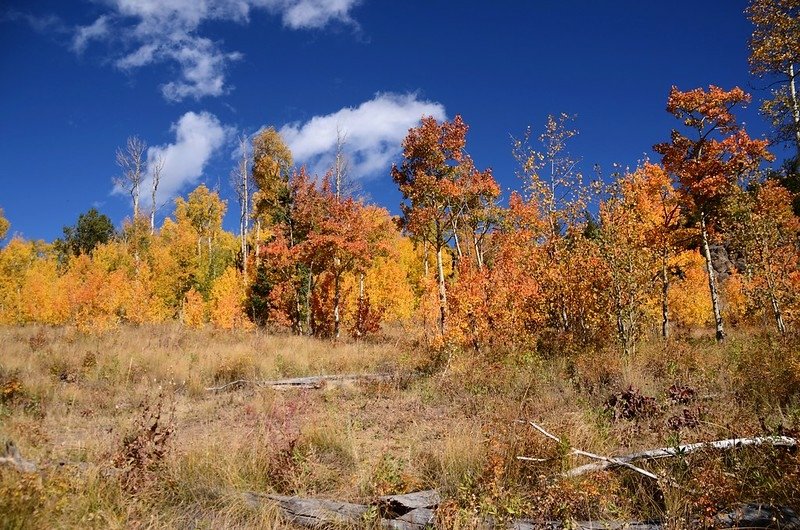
38 341
631 404
145 446
11 388
234 368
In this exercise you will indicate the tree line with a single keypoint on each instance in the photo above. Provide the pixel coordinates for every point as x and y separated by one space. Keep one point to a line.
702 236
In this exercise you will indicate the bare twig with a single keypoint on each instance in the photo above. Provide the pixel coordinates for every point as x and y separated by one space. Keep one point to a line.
607 461
531 459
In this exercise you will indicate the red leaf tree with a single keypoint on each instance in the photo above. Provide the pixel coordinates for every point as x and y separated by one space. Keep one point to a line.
440 184
709 160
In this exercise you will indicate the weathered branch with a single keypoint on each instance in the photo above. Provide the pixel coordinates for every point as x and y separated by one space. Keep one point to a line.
313 513
401 504
754 515
606 461
412 511
312 382
681 450
527 524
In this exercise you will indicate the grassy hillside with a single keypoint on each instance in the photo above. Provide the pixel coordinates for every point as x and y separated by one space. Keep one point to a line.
126 434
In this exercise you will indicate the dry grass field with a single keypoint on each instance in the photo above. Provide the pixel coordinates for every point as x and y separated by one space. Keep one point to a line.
125 434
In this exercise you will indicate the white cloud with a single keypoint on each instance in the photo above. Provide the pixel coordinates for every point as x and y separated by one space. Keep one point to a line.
197 137
143 55
96 30
161 31
312 13
373 133
203 67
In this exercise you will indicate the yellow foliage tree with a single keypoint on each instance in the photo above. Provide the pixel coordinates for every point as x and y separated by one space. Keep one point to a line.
228 295
734 299
173 261
388 283
194 309
45 295
201 216
15 260
690 309
142 304
96 294
4 225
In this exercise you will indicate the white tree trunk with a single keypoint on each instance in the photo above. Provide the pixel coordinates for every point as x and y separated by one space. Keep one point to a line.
664 299
155 174
776 311
336 304
442 291
795 107
712 280
459 254
425 257
478 252
773 298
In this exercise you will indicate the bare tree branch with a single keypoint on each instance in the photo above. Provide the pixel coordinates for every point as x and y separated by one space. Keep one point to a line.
155 174
606 460
131 159
682 450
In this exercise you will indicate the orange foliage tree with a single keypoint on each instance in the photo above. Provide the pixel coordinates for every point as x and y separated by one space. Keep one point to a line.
640 235
708 164
342 241
438 181
775 52
502 305
659 201
765 231
624 247
555 186
323 239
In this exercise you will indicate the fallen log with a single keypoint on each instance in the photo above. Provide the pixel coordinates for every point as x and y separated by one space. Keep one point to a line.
416 519
412 511
417 511
528 524
313 513
759 516
310 382
407 502
681 450
321 513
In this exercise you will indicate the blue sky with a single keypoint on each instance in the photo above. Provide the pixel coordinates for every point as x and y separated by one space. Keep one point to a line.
189 76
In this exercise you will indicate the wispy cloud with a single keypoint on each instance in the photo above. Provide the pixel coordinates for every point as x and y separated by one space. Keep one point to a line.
203 68
198 136
304 14
373 133
169 31
39 23
143 56
95 31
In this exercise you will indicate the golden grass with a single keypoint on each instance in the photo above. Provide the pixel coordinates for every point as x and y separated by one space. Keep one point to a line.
74 399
